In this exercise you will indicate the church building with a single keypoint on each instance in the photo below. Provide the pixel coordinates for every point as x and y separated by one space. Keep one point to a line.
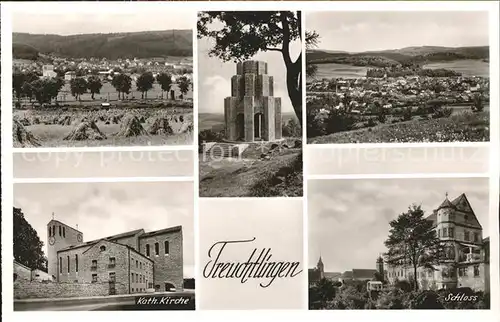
132 262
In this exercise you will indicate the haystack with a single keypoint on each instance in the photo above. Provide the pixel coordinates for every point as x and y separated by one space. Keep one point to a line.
64 120
160 125
131 126
87 130
186 127
22 137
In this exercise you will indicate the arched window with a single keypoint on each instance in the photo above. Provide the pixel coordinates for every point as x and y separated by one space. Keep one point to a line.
76 263
68 264
54 230
147 250
157 249
102 248
167 247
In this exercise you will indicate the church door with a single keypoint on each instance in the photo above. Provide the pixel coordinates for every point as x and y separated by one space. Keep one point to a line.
240 126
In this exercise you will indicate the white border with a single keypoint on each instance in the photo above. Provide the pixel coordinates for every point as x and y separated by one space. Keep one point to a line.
134 7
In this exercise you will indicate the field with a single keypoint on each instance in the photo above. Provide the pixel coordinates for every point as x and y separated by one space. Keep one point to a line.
280 175
109 93
117 126
461 126
466 67
332 70
213 121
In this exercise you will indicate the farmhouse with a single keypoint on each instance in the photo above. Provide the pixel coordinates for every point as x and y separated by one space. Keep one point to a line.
131 262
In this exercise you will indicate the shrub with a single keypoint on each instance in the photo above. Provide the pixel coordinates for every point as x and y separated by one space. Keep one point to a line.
426 300
442 112
477 103
404 286
381 117
407 113
370 123
392 299
292 128
209 136
338 121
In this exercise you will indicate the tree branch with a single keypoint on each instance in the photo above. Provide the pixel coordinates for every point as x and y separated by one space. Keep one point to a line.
273 49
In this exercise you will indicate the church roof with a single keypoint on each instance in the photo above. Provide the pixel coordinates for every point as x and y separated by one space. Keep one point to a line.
363 273
109 238
163 231
332 275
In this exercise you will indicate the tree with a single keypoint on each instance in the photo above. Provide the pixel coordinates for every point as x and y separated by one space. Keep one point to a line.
312 39
44 90
477 103
165 81
244 34
27 245
321 293
144 83
413 242
19 79
183 83
122 83
94 85
78 87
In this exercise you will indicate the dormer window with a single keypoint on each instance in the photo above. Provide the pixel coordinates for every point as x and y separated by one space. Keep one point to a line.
102 248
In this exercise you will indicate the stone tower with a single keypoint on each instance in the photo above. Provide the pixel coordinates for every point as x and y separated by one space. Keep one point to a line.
252 113
380 266
321 268
59 236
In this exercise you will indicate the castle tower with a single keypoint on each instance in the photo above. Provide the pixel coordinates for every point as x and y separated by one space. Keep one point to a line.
446 232
380 266
321 268
252 113
59 236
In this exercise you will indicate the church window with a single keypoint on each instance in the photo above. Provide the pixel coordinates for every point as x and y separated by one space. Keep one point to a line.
76 263
54 230
467 235
103 248
68 264
157 249
60 264
452 232
60 231
94 265
112 277
445 232
147 250
476 270
94 278
167 247
64 231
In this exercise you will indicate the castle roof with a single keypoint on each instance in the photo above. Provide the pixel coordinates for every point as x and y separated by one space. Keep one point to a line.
446 204
461 204
332 275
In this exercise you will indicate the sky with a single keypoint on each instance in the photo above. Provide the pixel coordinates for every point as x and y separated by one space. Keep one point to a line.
364 31
214 77
103 164
105 209
276 223
84 23
349 219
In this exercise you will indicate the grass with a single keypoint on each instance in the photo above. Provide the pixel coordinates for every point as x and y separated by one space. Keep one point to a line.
281 176
460 127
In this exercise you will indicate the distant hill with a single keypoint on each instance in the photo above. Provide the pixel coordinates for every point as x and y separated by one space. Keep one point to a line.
145 44
22 51
422 54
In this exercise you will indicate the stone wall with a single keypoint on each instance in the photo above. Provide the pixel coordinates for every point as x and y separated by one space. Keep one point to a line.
34 290
168 268
21 272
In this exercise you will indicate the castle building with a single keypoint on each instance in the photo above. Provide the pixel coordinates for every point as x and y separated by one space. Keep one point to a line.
252 113
467 253
131 262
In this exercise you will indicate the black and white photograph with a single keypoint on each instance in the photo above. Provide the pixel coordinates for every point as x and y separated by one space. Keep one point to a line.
250 103
102 79
103 246
395 77
403 243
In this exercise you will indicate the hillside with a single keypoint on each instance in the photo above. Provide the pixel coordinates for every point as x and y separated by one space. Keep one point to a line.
422 54
111 46
22 51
